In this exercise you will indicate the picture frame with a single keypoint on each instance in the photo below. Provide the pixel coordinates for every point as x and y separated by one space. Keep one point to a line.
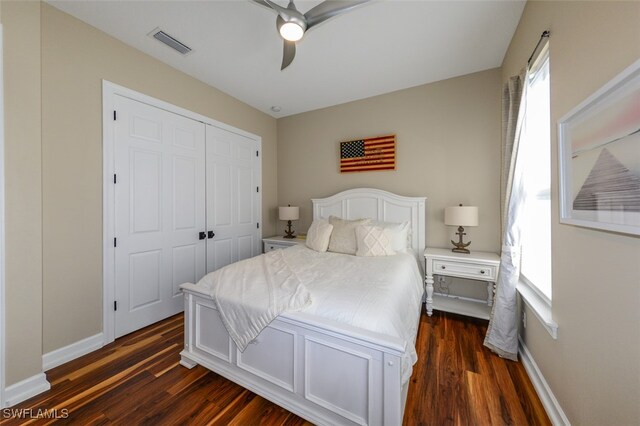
599 157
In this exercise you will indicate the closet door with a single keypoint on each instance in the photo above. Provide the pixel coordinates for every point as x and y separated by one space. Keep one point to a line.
232 197
159 212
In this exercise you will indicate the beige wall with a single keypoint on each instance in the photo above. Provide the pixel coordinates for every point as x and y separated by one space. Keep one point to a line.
54 169
447 146
593 368
23 220
75 59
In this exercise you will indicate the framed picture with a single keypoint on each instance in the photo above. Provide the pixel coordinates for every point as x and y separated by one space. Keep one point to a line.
599 143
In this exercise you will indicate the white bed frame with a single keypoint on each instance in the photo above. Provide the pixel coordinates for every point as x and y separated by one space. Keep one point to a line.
321 370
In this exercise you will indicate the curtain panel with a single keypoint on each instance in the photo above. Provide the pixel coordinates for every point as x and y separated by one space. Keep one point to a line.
502 333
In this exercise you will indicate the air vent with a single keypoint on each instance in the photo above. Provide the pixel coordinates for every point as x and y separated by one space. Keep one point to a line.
160 35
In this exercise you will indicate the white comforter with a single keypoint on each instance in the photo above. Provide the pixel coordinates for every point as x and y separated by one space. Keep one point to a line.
251 293
380 294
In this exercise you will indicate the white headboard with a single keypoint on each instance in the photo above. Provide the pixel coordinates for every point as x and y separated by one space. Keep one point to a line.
379 205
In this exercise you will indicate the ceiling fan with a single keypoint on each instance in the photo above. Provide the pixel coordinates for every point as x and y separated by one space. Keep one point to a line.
292 24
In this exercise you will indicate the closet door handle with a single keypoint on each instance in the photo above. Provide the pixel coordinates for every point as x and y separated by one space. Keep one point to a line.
211 234
202 235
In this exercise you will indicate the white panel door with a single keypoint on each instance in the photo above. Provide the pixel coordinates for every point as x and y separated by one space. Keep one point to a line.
159 212
232 198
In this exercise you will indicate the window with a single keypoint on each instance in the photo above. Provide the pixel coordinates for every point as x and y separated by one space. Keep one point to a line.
534 156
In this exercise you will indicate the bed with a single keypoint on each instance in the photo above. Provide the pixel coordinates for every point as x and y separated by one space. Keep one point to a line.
320 368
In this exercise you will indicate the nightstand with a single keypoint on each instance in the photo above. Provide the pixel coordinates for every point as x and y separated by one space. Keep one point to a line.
479 266
275 243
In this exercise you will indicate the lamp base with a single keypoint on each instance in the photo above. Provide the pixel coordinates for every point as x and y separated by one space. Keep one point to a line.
460 246
460 250
288 232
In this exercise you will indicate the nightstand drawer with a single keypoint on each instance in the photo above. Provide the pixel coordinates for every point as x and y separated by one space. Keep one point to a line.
277 243
271 246
465 270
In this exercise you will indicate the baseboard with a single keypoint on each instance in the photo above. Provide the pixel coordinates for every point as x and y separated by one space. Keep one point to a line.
25 389
548 399
70 352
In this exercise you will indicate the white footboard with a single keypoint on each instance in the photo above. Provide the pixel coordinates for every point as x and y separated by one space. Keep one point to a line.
327 374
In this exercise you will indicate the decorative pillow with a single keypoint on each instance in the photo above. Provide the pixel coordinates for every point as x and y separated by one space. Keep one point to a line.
343 237
374 241
318 235
400 234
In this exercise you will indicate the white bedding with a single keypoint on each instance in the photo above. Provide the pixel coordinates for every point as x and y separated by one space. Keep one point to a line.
251 293
380 294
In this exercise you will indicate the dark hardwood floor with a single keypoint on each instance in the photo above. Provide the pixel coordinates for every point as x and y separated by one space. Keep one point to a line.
137 380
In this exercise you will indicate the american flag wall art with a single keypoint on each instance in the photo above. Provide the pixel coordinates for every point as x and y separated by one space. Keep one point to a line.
370 154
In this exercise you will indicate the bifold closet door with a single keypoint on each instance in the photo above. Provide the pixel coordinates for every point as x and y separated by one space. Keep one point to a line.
159 212
232 197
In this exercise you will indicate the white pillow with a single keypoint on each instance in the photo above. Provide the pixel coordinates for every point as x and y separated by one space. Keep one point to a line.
374 241
400 235
318 235
343 236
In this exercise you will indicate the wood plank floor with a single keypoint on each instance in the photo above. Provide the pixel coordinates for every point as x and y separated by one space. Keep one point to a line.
137 380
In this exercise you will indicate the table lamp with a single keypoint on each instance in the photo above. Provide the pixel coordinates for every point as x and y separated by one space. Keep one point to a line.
461 216
289 213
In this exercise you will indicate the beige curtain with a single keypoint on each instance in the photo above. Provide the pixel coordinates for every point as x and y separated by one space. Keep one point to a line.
502 334
512 98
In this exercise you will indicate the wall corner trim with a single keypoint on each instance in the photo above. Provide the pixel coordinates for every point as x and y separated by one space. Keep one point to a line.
548 399
26 389
70 352
2 228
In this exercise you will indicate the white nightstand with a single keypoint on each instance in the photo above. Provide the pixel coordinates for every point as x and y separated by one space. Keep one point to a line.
275 243
478 266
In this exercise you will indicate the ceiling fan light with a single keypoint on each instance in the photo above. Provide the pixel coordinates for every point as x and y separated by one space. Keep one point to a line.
291 31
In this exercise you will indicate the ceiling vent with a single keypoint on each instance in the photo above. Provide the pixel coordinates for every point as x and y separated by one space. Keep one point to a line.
165 38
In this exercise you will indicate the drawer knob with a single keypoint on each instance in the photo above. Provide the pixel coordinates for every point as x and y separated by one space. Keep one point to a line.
482 271
443 267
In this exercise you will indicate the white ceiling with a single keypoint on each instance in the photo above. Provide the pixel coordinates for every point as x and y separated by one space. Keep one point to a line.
377 48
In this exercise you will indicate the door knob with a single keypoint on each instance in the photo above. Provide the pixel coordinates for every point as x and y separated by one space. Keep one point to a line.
202 235
211 234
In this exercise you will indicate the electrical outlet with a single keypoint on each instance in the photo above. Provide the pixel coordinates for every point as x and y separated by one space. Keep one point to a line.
442 279
524 319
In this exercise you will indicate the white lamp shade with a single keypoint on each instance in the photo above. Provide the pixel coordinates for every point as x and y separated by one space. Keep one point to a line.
461 216
288 213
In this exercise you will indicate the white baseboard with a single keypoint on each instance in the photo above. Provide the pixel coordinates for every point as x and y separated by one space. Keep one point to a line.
25 389
548 399
69 353
34 385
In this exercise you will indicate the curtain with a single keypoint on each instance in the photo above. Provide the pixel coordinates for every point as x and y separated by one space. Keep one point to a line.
502 333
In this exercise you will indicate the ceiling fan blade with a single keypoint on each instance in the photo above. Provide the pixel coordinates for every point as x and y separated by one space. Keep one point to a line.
263 4
288 53
282 11
328 9
279 22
